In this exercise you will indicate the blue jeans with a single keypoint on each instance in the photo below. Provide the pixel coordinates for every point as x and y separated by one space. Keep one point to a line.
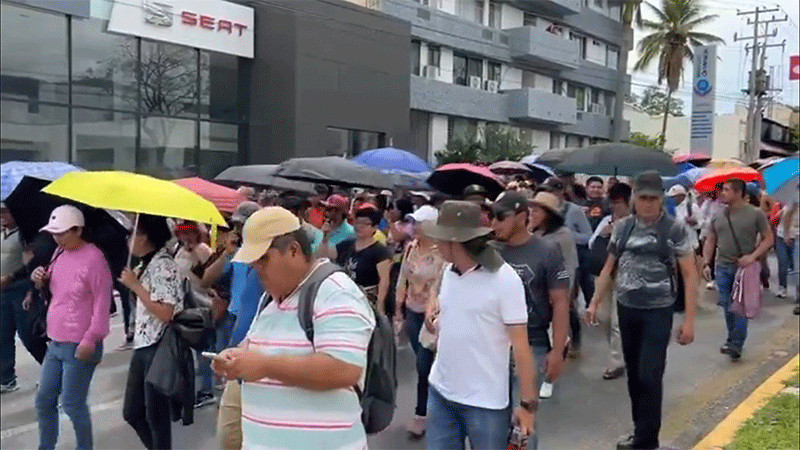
539 354
415 321
737 325
225 330
785 253
450 423
62 372
204 368
14 319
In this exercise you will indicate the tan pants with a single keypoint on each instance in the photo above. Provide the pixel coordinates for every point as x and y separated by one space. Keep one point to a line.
229 421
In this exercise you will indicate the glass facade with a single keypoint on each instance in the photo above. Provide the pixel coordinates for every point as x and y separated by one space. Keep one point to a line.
71 91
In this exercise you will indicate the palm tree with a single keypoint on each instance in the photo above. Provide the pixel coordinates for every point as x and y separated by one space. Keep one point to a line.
671 40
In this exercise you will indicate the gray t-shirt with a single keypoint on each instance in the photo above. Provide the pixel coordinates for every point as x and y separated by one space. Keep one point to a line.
748 222
642 280
540 266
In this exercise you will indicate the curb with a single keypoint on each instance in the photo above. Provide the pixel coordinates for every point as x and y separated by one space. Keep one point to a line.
725 431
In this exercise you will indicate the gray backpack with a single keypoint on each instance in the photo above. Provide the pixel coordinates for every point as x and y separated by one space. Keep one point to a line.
378 400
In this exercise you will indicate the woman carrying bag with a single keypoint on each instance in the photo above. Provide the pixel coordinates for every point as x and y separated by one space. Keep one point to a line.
79 283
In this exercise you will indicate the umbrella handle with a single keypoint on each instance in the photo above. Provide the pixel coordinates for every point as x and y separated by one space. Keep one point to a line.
130 242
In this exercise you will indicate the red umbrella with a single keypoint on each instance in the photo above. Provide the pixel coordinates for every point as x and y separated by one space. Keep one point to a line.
225 199
453 178
695 158
707 183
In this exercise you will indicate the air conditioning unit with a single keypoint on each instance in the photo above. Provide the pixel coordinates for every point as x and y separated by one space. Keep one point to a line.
430 72
435 4
475 82
492 86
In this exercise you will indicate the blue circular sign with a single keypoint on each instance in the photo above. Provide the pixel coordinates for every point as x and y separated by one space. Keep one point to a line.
702 86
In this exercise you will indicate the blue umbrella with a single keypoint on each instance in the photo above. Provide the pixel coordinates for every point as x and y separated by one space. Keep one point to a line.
11 173
782 180
392 159
686 179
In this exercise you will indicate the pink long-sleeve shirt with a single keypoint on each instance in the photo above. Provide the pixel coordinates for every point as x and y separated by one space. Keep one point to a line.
81 285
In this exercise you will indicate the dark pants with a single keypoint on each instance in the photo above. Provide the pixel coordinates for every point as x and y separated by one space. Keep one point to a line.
585 278
14 319
415 321
574 327
125 300
645 335
145 409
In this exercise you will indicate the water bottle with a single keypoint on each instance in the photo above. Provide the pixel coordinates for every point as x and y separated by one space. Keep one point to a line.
517 440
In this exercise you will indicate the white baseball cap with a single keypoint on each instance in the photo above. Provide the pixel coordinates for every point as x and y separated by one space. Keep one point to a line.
425 213
63 218
676 190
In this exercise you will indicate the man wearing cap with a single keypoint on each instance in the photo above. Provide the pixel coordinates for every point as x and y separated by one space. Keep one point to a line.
686 211
296 393
645 288
335 229
541 267
482 315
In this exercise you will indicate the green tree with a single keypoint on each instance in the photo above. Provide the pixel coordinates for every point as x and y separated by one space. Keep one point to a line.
654 102
645 140
498 143
672 36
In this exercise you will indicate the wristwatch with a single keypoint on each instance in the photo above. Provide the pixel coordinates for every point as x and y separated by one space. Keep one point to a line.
530 406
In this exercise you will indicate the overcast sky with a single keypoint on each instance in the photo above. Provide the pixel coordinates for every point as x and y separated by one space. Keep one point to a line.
733 64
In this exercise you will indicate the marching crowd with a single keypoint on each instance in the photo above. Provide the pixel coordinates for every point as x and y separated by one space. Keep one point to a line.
283 323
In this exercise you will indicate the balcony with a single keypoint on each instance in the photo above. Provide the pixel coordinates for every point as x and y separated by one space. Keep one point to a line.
530 105
591 124
541 48
555 8
456 100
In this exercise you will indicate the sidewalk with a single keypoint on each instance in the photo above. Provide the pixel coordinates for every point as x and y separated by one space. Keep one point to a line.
725 433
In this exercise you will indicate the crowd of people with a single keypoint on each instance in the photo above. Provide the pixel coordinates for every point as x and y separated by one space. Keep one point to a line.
496 288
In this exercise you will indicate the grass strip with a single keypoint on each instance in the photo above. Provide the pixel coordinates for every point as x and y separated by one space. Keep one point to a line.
774 426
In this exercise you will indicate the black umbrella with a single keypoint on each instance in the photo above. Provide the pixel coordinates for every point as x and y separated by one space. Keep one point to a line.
452 179
31 209
333 170
618 159
262 175
552 157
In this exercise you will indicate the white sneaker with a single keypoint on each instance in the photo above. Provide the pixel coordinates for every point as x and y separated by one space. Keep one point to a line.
546 390
781 292
710 285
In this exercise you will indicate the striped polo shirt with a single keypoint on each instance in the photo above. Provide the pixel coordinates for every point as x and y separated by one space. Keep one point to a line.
275 415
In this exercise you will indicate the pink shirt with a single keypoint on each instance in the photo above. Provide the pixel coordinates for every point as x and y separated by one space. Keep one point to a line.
81 284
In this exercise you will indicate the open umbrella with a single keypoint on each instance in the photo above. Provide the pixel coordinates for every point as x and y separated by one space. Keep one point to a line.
262 175
391 159
540 172
708 182
453 178
31 209
698 159
552 157
510 168
410 180
333 170
11 173
686 179
617 159
724 163
224 198
781 179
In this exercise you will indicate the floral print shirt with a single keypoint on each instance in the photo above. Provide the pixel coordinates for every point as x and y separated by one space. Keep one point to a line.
163 281
421 273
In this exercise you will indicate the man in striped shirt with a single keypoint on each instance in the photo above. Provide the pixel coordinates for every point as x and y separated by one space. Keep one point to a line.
296 393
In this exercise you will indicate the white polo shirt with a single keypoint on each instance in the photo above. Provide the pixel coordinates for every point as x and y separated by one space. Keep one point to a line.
473 351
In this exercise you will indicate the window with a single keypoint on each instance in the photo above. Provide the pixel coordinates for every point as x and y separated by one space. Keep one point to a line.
495 71
104 139
494 15
581 43
555 140
219 148
598 4
169 79
415 57
460 70
610 98
103 67
528 20
33 58
528 79
169 145
353 142
434 55
461 128
558 87
573 141
219 78
579 94
612 57
478 11
475 67
32 135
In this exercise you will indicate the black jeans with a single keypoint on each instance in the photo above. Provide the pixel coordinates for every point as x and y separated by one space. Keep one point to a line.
145 409
645 335
14 319
585 279
125 300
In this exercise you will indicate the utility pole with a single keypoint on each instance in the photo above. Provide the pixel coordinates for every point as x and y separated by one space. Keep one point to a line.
758 85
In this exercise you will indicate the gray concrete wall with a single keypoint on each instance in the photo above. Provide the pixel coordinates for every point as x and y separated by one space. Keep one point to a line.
456 100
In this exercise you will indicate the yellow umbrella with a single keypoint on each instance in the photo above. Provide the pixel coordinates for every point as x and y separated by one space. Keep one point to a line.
723 163
135 193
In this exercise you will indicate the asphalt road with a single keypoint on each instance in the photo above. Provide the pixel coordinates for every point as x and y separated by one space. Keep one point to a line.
701 385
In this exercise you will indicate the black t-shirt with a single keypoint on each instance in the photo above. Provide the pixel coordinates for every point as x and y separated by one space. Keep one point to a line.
540 265
596 209
362 265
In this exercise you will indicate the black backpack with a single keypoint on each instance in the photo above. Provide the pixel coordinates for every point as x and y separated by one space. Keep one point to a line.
663 228
378 400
